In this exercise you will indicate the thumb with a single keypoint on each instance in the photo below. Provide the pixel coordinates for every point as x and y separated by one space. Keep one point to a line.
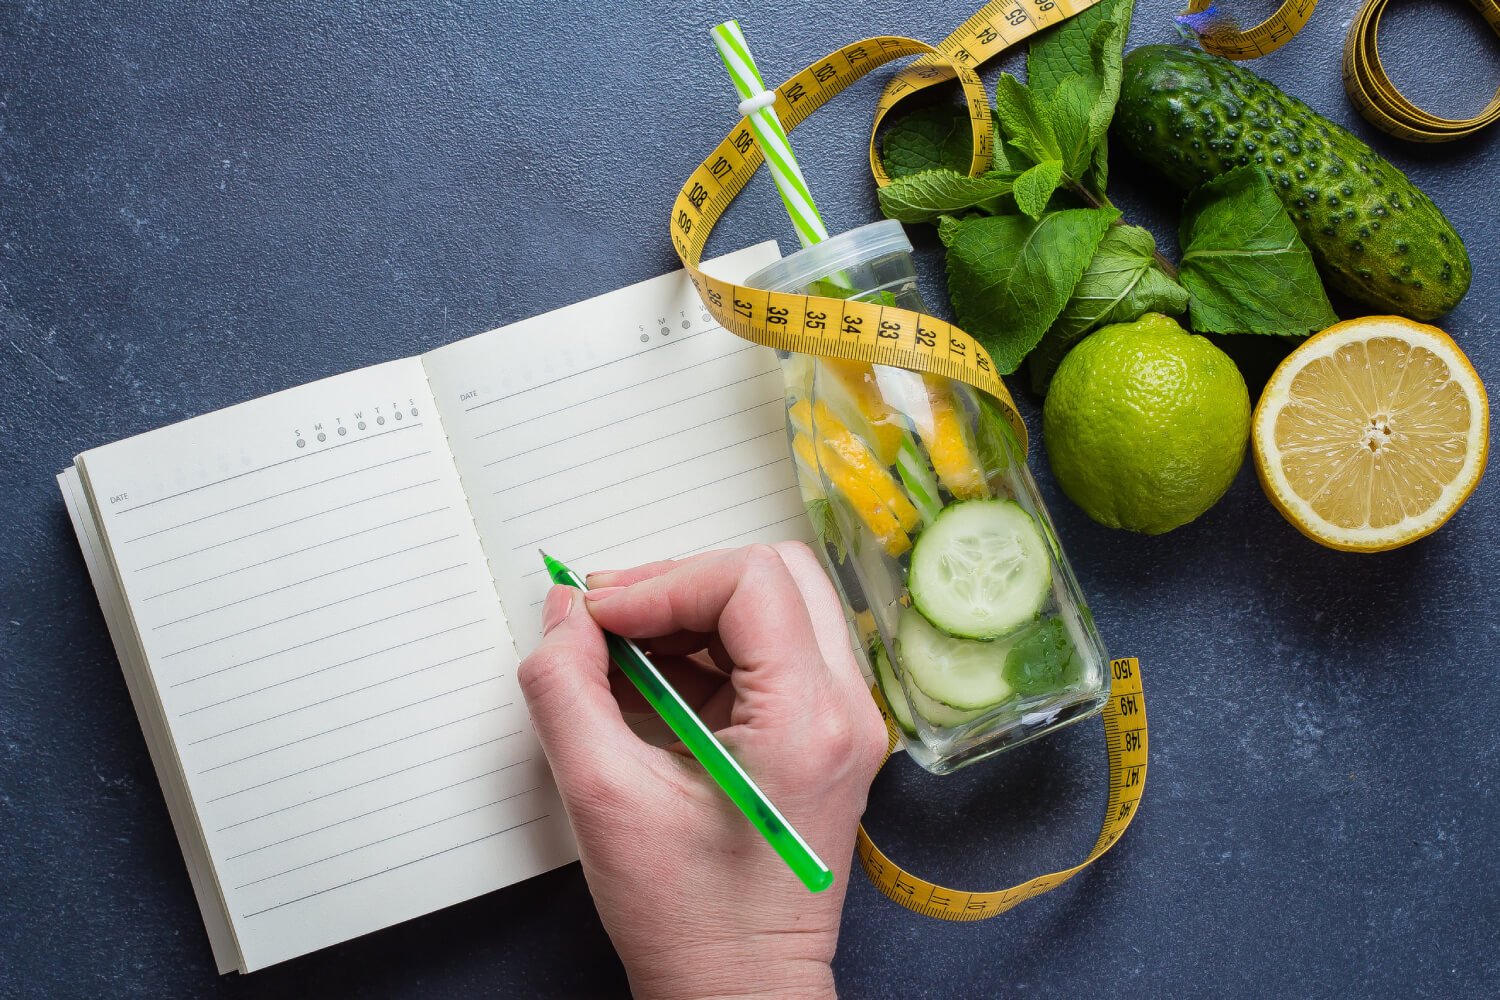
565 681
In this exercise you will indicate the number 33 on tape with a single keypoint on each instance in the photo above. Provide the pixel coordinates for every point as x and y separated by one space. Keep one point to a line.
880 334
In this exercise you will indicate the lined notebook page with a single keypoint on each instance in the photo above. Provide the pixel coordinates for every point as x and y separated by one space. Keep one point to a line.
620 430
332 663
163 758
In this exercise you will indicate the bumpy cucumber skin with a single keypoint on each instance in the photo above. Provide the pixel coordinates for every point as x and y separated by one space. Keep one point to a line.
1375 236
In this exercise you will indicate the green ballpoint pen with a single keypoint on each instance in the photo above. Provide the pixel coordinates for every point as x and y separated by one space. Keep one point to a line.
704 745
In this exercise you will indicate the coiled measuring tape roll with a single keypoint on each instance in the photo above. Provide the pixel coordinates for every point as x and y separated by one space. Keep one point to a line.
879 334
1370 90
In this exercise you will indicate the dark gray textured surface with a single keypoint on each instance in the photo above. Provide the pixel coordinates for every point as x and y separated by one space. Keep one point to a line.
206 202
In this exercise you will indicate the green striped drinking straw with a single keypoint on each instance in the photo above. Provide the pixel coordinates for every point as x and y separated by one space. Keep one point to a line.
757 105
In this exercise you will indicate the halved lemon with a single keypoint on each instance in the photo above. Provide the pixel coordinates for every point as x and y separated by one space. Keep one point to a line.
1372 433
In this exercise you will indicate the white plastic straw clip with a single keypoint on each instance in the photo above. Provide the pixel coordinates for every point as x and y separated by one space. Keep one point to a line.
757 102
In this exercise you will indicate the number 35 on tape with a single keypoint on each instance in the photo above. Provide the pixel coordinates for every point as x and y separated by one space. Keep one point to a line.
887 335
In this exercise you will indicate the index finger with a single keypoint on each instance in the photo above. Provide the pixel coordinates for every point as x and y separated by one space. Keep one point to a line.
746 595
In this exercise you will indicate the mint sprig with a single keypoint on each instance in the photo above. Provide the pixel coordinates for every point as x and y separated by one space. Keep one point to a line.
1027 271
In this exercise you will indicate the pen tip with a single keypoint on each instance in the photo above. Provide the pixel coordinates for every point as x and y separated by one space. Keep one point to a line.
543 554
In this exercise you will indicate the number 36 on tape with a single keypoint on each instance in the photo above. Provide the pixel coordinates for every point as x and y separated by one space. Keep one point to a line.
880 334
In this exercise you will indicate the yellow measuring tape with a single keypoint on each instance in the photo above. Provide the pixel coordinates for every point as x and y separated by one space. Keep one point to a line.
1365 79
879 334
1125 741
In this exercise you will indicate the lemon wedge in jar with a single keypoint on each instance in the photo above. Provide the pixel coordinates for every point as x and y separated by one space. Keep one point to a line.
1372 433
823 442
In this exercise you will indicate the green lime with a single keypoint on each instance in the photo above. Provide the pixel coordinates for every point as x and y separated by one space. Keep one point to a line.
1145 424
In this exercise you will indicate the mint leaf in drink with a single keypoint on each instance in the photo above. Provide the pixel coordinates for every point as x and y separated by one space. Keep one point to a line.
826 526
1034 188
1121 282
936 137
1244 266
925 196
1009 276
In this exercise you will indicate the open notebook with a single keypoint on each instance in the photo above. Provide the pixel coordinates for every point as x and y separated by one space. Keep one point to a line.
320 597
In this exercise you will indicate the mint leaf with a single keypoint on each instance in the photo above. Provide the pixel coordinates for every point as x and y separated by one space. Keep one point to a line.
1121 282
1007 156
1035 187
925 196
1023 122
826 527
1068 109
1244 266
1088 47
947 228
1106 49
936 137
1067 48
1097 175
1009 276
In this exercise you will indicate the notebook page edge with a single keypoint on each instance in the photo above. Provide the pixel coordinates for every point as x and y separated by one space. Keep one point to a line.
189 835
507 863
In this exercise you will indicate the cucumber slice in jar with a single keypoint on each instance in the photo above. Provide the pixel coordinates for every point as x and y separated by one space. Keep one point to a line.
963 675
941 716
981 569
895 698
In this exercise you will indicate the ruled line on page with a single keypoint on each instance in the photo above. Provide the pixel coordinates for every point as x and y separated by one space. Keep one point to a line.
641 475
357 753
298 552
332 698
672 496
306 579
614 424
584 371
273 465
711 545
346 725
742 534
322 638
378 809
309 611
389 837
277 496
333 666
284 524
628 448
404 864
633 387
371 781
669 527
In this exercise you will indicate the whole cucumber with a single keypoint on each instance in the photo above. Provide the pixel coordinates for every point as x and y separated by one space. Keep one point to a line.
1375 236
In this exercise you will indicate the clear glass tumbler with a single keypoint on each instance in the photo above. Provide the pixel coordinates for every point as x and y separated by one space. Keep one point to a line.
948 564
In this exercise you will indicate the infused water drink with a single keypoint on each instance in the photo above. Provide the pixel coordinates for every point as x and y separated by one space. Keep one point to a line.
951 573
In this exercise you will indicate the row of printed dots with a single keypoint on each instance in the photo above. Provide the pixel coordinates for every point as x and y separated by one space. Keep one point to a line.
342 430
687 324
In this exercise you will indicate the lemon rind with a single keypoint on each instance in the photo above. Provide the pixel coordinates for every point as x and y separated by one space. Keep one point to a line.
1301 514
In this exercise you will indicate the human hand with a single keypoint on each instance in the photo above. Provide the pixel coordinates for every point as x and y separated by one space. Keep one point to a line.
696 903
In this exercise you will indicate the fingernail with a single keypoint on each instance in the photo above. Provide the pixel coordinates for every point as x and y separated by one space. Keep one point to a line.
599 593
559 603
601 579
